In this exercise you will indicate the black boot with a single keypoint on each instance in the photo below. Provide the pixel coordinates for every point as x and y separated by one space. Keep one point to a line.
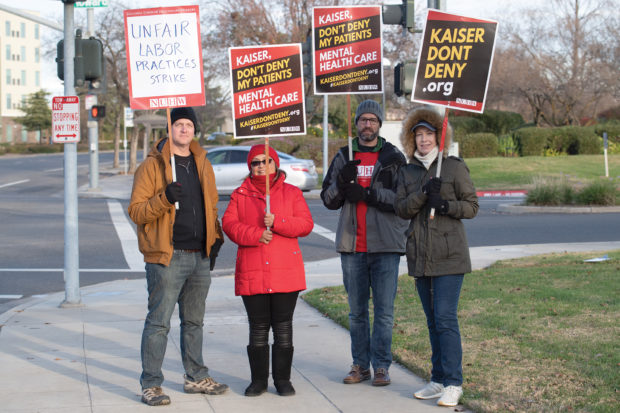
259 366
281 359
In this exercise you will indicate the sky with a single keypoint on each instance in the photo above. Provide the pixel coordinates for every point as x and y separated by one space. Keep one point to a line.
54 10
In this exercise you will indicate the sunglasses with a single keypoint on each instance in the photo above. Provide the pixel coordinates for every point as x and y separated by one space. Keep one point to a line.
257 163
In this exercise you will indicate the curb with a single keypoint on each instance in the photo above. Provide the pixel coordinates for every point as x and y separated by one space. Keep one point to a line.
515 193
522 209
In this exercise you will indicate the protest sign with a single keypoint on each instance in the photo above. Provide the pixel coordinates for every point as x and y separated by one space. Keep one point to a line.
268 90
347 52
164 57
455 61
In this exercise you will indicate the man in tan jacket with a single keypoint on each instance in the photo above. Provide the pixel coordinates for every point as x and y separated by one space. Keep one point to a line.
179 245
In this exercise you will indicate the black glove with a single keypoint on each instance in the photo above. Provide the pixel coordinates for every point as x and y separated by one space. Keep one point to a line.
174 192
432 186
370 196
440 205
215 250
354 192
348 173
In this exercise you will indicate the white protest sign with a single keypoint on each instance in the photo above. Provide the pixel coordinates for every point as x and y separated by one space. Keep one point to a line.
65 119
164 57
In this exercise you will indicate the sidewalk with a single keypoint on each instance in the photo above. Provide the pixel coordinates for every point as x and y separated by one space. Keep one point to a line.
87 358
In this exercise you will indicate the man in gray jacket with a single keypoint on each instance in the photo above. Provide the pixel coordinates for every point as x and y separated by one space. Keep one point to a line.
370 239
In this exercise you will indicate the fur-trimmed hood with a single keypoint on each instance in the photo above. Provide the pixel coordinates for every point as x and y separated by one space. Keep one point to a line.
427 114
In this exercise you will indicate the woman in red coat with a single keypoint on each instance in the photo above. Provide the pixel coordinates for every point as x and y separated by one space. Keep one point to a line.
269 273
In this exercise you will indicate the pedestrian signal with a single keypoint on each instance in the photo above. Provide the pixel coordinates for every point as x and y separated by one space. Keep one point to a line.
97 112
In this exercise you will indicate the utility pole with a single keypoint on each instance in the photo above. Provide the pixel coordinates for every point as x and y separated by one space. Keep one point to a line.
92 124
72 250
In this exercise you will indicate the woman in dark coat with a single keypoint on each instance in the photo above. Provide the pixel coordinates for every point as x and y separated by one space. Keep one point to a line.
437 250
269 272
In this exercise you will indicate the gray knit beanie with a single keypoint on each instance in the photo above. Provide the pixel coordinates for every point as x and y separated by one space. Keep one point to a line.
369 106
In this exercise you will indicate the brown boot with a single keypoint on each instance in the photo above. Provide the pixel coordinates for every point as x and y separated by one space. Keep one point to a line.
357 375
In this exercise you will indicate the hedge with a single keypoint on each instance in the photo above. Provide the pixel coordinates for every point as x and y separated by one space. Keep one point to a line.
463 125
500 122
612 128
531 141
478 145
574 140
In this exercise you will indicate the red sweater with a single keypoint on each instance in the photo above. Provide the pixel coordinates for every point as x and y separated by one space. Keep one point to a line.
277 267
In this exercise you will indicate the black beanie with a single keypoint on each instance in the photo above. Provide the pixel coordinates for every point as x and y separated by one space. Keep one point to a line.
369 106
184 113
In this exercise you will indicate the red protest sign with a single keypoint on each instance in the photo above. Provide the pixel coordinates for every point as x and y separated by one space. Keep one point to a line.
455 61
347 52
164 57
268 90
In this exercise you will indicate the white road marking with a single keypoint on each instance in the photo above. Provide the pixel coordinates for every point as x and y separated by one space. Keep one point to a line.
15 183
11 296
324 232
129 240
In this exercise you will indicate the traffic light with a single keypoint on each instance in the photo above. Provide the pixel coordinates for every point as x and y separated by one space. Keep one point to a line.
402 14
97 112
88 61
404 74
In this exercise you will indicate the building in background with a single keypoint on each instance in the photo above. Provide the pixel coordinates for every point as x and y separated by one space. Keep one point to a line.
20 74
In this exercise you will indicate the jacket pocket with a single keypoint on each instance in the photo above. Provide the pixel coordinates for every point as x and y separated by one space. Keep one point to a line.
447 245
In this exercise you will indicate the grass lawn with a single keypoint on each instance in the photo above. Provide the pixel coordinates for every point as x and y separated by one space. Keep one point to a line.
539 333
518 173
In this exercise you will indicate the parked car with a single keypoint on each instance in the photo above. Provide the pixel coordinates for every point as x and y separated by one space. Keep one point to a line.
215 135
231 168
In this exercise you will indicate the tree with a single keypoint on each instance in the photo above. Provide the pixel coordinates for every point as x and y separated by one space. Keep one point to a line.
111 32
213 114
38 115
259 22
565 66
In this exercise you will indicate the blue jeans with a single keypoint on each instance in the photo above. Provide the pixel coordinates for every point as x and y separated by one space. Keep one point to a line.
440 299
186 281
362 272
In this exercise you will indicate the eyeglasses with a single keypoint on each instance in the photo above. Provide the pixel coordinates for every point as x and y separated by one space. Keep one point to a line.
257 163
373 121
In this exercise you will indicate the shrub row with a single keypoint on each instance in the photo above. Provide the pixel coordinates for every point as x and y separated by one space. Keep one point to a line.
491 121
548 191
478 145
30 148
535 141
570 140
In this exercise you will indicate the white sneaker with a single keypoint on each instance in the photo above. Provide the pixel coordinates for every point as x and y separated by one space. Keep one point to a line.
451 396
431 391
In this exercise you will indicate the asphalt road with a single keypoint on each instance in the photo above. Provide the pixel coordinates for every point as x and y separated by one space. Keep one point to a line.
32 231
